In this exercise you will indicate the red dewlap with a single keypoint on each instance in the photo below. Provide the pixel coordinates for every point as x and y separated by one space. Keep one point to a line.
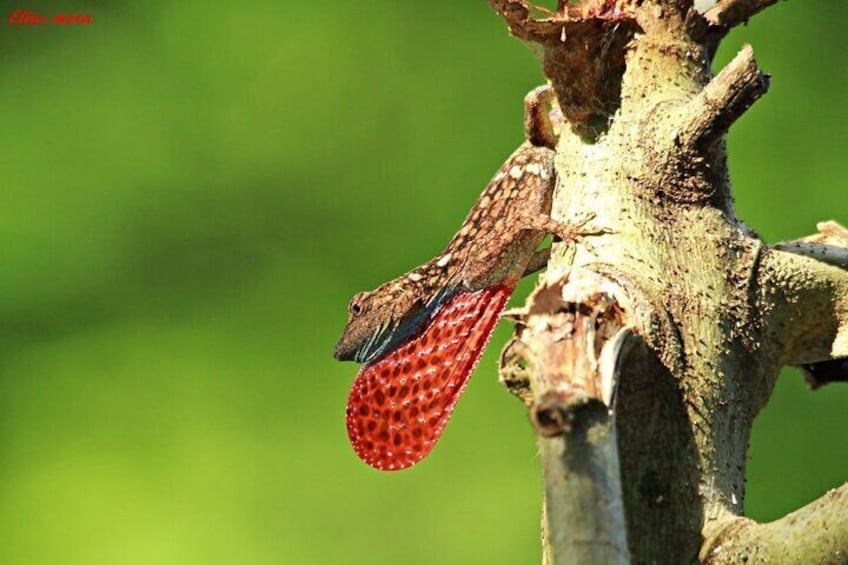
400 404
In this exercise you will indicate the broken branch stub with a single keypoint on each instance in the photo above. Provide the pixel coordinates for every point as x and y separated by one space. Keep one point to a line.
830 247
726 14
710 114
563 363
582 48
564 353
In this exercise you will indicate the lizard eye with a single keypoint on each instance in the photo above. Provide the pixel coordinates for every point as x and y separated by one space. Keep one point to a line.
358 304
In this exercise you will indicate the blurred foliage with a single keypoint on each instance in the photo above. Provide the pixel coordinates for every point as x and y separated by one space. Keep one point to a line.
192 192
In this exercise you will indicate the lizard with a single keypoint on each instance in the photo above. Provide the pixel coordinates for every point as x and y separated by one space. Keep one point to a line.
419 336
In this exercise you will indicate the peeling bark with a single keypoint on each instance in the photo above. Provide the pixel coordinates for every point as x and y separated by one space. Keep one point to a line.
712 312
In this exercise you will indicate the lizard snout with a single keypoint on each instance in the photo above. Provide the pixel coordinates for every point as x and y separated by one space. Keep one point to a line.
343 351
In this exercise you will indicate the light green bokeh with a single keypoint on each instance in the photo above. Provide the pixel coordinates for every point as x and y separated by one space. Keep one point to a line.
190 195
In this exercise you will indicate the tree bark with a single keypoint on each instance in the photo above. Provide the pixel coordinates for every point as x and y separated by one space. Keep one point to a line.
646 352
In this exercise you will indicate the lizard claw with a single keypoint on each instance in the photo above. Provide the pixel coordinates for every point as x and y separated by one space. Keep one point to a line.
589 247
581 228
584 220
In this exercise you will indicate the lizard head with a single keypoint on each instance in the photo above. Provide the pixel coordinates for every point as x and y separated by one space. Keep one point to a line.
382 319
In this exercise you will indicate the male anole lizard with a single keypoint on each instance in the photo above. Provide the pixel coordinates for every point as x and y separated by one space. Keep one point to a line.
420 335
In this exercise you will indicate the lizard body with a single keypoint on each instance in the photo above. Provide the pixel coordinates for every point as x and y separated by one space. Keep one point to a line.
421 335
496 244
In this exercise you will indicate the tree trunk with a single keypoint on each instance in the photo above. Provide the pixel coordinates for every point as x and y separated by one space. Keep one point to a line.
645 353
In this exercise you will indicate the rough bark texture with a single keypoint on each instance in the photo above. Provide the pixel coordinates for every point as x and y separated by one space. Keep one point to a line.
715 311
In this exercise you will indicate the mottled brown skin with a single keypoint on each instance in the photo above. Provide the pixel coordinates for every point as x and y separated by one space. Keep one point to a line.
496 244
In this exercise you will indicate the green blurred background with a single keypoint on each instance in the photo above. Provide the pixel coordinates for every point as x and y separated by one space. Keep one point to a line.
191 193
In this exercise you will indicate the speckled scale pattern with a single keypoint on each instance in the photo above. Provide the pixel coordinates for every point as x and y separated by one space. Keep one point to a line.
492 246
400 404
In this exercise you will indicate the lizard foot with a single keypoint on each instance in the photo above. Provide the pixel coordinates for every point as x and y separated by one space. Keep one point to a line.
578 229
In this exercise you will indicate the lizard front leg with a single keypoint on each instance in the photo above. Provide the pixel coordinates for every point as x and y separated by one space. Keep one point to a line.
512 254
540 257
564 231
538 261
